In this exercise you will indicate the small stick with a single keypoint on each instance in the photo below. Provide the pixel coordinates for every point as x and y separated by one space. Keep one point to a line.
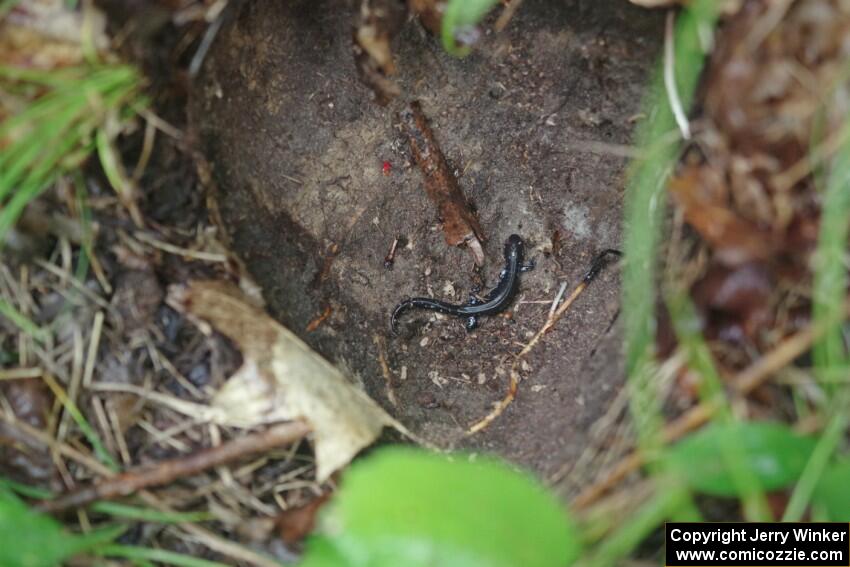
170 470
460 226
507 13
389 259
744 383
385 368
207 538
554 316
319 319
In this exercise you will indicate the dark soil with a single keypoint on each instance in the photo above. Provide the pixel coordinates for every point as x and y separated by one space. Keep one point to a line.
297 149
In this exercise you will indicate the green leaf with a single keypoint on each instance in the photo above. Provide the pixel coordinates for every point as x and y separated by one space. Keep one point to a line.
459 14
773 454
31 539
412 508
832 493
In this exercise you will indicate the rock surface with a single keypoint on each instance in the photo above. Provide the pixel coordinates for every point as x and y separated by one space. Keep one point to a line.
532 122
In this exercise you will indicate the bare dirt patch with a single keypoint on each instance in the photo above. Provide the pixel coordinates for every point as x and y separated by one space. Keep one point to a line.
532 122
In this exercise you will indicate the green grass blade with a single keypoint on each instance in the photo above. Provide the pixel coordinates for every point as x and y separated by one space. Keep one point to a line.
6 7
38 179
55 132
809 479
646 185
460 13
829 292
114 509
30 150
654 513
82 423
9 312
830 271
161 556
688 332
25 489
126 512
645 209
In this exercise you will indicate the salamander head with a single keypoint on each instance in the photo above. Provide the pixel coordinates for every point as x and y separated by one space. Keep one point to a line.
514 249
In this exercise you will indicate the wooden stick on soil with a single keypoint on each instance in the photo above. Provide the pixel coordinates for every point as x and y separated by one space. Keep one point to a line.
554 316
170 470
460 225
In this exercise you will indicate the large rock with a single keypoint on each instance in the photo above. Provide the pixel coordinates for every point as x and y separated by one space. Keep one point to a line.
297 148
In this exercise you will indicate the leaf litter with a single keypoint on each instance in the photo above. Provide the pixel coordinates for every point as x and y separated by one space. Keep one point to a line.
281 378
747 193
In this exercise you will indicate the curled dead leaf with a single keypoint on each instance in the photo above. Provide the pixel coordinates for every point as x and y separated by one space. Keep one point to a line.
734 240
281 378
295 524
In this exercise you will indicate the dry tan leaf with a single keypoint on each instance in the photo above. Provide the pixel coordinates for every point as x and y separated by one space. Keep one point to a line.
281 378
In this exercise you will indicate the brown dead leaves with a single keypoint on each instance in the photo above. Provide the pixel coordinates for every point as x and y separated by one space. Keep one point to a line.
774 103
734 240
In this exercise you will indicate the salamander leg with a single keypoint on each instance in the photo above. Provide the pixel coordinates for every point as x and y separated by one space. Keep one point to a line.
599 262
471 323
473 296
527 267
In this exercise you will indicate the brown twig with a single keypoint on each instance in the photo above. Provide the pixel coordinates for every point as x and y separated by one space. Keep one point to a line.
389 259
317 321
207 538
554 315
460 226
322 275
381 344
507 13
170 470
744 383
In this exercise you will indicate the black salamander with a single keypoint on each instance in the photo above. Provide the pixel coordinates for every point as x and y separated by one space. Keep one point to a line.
494 302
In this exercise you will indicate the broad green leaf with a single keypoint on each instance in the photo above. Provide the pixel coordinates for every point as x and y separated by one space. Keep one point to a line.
31 539
412 508
774 455
460 14
832 493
